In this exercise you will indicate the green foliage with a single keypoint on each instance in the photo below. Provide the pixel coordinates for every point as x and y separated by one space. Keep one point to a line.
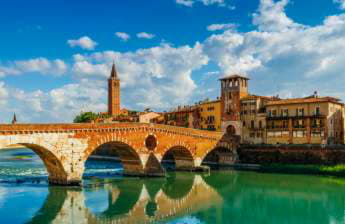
333 170
85 117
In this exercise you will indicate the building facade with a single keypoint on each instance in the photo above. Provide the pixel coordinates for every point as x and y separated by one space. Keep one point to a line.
187 116
233 88
309 120
264 119
253 118
210 115
148 116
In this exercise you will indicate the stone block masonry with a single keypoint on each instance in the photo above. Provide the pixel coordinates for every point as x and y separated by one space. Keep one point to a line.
64 148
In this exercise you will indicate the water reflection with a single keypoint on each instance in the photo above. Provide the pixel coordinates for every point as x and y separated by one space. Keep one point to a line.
128 201
276 198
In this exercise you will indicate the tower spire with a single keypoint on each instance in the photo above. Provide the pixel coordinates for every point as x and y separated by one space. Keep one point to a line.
113 71
14 119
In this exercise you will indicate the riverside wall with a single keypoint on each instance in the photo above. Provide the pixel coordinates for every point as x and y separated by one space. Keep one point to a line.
292 154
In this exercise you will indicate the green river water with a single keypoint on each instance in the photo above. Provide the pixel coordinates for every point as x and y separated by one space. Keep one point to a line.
219 197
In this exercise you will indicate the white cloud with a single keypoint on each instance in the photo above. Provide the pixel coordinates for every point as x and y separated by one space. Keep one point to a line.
157 77
3 94
84 42
123 36
40 65
282 55
190 3
224 26
145 35
271 16
211 2
279 55
341 3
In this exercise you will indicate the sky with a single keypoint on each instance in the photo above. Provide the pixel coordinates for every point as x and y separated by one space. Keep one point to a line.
56 56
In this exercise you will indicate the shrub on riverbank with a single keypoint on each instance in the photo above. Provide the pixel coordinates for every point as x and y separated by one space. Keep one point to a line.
336 170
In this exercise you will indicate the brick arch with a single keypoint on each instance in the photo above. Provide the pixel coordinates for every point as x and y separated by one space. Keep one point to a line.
176 145
52 162
129 154
225 145
184 159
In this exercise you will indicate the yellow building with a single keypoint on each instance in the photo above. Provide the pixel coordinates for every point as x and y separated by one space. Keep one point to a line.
253 117
210 115
309 120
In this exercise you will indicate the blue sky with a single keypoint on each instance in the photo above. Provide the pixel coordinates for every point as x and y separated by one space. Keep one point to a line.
55 56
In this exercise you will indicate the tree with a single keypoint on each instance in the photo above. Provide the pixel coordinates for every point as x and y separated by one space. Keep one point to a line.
85 117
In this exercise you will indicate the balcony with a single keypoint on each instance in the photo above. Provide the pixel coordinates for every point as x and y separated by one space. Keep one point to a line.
209 122
299 126
278 128
280 117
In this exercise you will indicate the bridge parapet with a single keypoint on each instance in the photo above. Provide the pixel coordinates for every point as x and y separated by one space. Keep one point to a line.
99 127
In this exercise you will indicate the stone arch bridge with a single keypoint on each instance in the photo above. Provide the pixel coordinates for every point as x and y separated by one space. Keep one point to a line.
64 148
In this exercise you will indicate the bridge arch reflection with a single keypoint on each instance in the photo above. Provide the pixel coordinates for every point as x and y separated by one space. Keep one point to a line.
129 201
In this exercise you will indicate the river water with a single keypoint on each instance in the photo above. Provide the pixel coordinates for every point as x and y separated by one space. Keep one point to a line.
218 197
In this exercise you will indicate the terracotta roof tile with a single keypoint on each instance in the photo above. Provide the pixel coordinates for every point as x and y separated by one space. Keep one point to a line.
304 100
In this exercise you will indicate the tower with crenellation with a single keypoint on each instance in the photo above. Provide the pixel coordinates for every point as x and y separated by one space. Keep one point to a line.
233 88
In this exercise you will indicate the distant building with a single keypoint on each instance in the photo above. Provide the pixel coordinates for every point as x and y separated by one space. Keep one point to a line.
14 119
210 115
253 118
187 116
309 120
147 117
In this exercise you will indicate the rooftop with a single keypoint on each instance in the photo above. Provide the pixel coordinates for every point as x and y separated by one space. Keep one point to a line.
309 99
234 77
254 97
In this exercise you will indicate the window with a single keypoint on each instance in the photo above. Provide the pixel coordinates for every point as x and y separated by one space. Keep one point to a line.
253 111
317 134
317 111
260 124
274 113
285 124
285 112
300 112
210 108
252 135
230 95
252 124
299 134
244 123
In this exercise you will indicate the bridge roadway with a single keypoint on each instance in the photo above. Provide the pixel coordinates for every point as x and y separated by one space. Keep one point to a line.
64 148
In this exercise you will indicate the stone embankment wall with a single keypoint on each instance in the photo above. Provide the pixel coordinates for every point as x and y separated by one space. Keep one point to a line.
292 154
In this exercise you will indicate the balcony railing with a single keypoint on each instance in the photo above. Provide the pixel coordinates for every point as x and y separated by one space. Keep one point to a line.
278 117
277 127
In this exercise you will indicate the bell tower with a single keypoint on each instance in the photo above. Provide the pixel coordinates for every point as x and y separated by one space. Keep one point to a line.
233 88
114 93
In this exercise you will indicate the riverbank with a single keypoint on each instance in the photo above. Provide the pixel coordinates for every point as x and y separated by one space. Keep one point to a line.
334 170
15 146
